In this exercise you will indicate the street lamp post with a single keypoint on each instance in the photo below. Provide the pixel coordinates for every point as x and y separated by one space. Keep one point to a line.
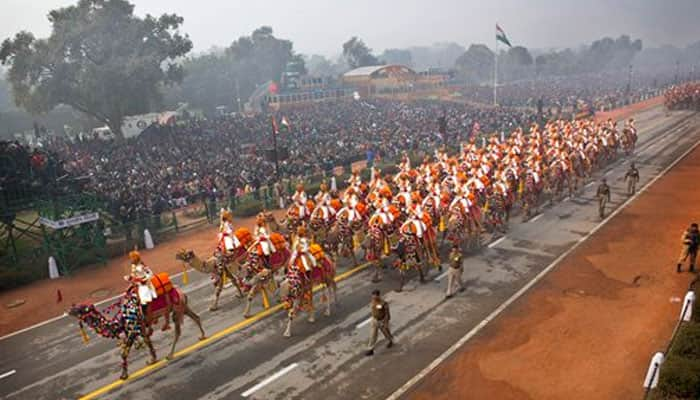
629 80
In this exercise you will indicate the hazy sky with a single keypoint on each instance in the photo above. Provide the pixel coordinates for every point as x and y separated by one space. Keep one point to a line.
321 26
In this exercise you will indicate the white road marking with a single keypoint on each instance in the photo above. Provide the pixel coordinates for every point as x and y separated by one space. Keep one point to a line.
228 285
536 217
8 373
400 391
496 242
442 275
567 198
270 379
363 323
590 184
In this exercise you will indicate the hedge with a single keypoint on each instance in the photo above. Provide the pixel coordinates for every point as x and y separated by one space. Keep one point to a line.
679 377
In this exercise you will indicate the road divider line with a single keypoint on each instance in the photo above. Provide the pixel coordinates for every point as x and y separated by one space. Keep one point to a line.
8 373
496 242
590 184
442 275
270 379
536 217
495 313
363 323
209 340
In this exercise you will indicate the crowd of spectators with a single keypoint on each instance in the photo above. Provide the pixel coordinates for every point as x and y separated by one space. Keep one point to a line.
167 167
599 91
227 156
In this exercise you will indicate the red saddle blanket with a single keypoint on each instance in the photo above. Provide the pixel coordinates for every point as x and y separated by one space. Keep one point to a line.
279 256
172 297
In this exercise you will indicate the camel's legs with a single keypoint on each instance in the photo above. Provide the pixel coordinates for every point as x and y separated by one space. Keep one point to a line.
126 347
219 286
288 330
197 320
177 320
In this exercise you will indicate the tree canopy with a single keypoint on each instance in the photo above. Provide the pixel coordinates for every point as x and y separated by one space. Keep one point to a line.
218 79
100 59
358 54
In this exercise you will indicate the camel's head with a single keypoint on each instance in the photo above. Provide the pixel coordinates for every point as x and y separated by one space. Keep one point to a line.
184 255
81 310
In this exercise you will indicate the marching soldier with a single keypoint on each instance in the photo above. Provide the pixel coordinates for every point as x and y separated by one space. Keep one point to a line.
603 195
379 322
632 177
690 241
454 272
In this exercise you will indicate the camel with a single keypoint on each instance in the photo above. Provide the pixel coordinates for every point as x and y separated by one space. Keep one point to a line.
409 252
219 266
296 290
130 325
259 277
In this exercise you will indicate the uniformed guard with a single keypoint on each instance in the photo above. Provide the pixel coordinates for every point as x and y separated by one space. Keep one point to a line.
632 177
454 272
603 195
380 322
690 241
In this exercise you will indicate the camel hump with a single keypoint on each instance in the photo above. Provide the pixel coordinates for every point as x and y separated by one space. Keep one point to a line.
161 282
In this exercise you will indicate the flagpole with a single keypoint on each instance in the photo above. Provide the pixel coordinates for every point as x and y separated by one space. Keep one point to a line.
495 71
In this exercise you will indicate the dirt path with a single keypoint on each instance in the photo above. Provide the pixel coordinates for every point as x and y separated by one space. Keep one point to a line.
589 328
100 282
626 112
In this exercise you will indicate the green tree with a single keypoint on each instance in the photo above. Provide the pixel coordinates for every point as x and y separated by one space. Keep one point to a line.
358 54
100 59
476 64
216 79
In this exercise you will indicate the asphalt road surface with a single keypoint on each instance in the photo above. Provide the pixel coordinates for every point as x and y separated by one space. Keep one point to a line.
326 359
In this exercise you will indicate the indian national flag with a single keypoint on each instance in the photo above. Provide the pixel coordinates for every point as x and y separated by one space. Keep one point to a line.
501 36
285 123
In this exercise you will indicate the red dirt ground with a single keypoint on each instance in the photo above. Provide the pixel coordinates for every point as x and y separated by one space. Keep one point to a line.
590 327
40 297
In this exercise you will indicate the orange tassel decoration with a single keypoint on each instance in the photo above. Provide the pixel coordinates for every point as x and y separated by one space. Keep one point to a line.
84 335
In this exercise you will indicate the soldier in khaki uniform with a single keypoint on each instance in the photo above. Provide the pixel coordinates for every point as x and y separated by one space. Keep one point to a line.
690 240
603 195
454 272
380 322
632 178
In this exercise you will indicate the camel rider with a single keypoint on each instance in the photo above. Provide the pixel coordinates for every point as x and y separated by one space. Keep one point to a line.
264 245
302 257
354 180
300 200
323 202
227 240
140 276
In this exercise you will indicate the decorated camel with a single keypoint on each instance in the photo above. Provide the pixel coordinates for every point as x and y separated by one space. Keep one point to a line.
259 269
130 324
296 290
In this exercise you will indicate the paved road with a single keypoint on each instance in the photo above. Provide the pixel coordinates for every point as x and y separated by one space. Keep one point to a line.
325 359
